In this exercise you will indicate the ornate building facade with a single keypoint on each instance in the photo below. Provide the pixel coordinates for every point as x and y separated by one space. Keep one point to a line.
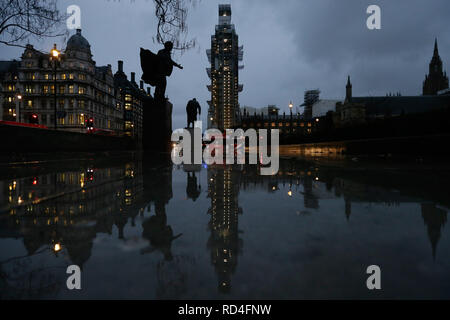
87 97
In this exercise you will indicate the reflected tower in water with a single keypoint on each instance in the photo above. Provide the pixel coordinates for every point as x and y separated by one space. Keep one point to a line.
224 241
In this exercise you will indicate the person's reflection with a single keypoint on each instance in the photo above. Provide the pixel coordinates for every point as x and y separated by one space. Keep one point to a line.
192 189
159 233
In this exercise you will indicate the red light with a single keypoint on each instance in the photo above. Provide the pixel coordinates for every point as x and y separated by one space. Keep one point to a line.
35 182
34 116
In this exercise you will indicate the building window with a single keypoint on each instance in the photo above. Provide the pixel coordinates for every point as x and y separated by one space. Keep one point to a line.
72 103
11 87
81 118
71 90
71 119
128 106
47 76
61 103
128 125
63 76
61 121
45 89
81 90
128 98
81 104
30 103
71 76
62 89
82 76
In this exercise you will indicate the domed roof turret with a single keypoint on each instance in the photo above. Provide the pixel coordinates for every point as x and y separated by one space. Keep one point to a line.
78 42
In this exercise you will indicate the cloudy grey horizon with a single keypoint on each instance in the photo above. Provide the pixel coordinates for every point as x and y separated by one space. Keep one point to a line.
289 46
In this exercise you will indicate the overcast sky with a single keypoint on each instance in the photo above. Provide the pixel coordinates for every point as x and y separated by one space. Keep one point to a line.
289 46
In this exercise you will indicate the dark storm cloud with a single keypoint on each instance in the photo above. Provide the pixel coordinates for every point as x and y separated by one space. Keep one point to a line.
289 45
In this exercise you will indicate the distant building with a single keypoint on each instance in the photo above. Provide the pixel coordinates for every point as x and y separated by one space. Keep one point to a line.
269 110
224 57
311 97
85 93
316 107
83 90
437 79
132 98
356 110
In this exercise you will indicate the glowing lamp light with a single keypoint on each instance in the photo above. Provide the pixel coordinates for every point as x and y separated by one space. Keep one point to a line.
290 193
55 53
57 247
35 182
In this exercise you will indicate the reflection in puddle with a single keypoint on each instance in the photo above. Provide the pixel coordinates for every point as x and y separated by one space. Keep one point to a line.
120 222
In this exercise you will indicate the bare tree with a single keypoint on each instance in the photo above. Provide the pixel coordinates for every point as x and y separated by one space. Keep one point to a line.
172 16
22 19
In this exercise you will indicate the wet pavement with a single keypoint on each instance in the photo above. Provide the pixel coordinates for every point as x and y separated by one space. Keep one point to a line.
142 228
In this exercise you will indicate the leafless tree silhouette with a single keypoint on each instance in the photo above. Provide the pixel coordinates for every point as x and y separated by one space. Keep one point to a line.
172 26
22 19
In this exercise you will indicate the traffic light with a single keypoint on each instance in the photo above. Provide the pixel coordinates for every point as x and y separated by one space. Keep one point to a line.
89 123
34 119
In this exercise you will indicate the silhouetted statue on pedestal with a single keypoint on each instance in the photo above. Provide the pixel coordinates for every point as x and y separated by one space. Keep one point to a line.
159 234
191 110
157 67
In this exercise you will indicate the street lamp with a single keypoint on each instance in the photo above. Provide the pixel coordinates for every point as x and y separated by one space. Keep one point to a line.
54 56
291 105
17 113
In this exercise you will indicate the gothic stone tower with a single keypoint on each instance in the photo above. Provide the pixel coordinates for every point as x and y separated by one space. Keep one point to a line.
437 79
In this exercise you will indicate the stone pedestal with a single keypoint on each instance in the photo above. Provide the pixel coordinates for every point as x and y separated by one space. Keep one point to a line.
157 125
